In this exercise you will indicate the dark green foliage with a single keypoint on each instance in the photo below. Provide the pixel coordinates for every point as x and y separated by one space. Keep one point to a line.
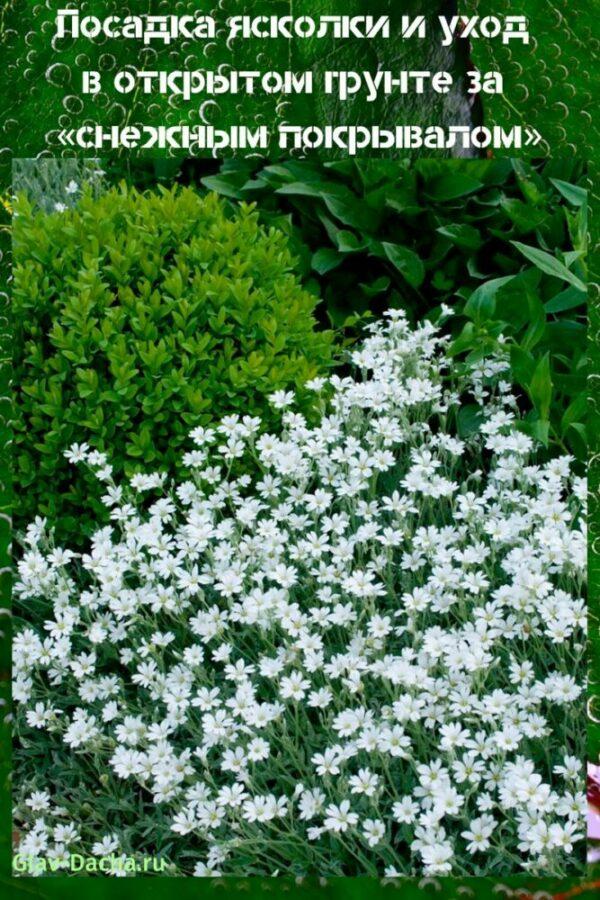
137 317
501 241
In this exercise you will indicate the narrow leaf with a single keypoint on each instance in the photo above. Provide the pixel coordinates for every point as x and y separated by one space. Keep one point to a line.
549 264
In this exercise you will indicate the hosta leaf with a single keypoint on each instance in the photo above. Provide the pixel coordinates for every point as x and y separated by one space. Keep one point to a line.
407 262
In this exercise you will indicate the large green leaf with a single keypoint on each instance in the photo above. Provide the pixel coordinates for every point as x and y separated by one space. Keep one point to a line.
452 186
549 264
407 262
482 302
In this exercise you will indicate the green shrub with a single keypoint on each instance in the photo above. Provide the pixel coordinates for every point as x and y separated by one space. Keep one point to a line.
138 316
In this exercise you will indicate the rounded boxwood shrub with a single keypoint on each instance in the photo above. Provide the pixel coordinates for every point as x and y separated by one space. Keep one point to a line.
138 316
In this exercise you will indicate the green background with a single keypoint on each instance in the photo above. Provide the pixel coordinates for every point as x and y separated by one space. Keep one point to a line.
46 82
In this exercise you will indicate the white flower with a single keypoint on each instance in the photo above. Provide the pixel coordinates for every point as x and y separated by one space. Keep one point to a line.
38 801
339 818
108 844
437 858
281 399
365 782
479 833
374 831
77 453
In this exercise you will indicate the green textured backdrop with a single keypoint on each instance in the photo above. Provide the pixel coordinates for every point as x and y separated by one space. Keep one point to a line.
45 80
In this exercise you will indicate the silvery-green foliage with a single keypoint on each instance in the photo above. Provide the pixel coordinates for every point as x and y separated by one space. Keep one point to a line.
365 658
56 184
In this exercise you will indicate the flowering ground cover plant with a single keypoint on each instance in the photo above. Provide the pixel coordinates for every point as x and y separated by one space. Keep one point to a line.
365 658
